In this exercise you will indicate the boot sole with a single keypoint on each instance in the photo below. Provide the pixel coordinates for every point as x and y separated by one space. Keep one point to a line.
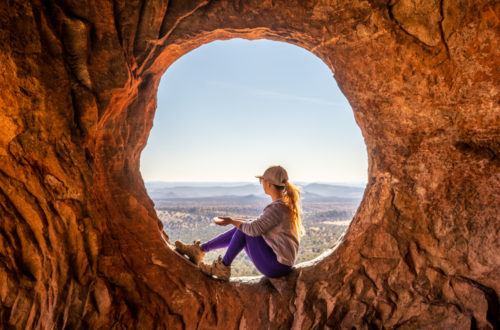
188 257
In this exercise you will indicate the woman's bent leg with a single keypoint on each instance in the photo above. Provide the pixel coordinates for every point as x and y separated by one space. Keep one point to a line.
264 258
259 252
238 242
219 241
257 249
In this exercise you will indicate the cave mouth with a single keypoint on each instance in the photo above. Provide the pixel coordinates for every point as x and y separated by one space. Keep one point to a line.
81 241
265 79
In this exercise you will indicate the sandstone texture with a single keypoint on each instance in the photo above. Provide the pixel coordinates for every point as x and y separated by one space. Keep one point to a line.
81 245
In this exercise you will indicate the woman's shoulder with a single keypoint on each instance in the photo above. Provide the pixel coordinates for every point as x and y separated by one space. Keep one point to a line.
274 204
279 204
279 201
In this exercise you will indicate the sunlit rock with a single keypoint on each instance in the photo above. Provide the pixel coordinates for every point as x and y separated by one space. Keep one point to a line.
81 245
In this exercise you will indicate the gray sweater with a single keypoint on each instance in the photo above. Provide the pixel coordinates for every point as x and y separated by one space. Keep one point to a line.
275 226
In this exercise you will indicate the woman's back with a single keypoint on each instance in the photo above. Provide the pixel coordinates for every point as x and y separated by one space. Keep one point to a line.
276 227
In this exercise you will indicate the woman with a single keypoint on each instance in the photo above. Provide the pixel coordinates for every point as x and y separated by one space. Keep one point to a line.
271 241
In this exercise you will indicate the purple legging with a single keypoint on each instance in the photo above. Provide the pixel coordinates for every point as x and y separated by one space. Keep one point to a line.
259 252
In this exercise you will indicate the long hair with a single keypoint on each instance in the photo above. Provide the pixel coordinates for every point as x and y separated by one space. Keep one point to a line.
293 200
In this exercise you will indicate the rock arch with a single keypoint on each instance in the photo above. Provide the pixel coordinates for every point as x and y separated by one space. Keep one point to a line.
80 243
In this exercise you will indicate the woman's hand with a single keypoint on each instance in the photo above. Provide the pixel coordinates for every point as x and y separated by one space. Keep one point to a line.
223 221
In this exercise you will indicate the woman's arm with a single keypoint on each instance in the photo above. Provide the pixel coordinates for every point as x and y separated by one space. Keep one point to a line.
237 222
224 221
268 219
271 217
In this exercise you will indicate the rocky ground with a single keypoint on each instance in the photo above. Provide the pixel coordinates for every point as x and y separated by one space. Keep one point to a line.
80 242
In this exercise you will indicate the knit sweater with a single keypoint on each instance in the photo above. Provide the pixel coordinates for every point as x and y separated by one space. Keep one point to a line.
275 226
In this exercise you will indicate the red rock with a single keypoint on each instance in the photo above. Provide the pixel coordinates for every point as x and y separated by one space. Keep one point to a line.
81 245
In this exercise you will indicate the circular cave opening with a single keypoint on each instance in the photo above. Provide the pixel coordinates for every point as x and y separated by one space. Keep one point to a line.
229 109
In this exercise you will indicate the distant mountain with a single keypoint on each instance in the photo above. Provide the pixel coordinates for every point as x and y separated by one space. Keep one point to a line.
200 191
171 184
328 190
231 191
213 200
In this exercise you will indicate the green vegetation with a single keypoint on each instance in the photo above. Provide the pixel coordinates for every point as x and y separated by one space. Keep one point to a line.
189 223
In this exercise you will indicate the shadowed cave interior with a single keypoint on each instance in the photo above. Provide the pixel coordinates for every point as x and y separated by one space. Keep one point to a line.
80 241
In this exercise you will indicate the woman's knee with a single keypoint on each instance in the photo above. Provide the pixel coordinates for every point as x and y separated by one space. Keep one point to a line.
239 232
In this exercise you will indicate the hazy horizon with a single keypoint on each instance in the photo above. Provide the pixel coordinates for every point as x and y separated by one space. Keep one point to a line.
355 183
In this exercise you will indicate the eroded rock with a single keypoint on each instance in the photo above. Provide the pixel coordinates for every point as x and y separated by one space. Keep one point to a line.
81 245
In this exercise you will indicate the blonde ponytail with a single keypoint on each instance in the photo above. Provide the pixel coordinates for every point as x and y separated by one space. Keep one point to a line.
293 200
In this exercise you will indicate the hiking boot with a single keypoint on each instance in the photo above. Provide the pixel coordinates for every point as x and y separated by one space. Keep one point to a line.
193 251
217 268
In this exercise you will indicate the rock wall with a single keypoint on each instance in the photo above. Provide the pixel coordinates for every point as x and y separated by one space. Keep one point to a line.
81 245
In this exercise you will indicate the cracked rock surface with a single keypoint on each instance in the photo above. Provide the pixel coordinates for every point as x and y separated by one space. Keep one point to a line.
81 245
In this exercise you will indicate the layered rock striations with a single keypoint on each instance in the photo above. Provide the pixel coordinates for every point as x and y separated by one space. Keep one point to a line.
81 245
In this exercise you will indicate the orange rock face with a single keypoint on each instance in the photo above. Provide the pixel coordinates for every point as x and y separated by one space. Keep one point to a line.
81 245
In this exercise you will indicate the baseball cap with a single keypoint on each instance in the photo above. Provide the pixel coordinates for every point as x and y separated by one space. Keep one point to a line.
275 174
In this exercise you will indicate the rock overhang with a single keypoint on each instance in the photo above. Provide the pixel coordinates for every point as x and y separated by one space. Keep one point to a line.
80 84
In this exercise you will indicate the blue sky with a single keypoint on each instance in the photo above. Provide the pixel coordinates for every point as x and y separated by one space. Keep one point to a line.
229 109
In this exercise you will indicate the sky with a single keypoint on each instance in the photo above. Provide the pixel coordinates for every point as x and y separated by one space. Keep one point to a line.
231 108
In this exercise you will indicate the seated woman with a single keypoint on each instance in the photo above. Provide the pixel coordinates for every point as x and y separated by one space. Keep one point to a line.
271 241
